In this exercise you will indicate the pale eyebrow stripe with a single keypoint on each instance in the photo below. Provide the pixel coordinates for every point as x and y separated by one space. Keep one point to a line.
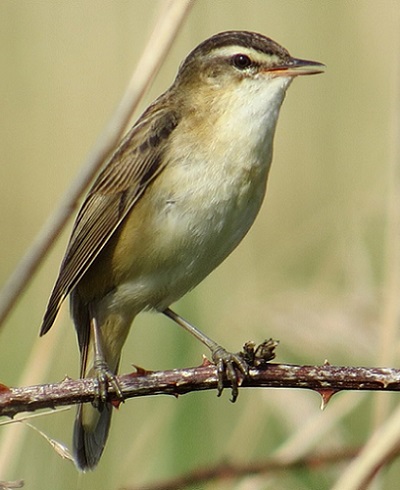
255 55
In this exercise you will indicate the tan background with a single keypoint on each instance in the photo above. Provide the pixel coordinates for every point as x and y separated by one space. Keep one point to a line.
318 270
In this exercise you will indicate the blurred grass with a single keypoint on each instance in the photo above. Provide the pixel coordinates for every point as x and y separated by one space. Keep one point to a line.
313 272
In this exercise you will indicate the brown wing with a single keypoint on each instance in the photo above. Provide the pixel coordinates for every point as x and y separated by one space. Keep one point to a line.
136 162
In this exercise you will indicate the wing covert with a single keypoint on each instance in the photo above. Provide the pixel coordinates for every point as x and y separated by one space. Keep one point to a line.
122 182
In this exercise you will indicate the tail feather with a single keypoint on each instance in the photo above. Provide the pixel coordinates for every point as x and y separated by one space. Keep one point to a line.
92 422
88 440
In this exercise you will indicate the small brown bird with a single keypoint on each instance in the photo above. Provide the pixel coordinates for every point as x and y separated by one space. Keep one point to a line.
174 200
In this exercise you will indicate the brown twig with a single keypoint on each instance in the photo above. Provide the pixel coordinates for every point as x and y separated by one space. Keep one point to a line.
325 379
233 471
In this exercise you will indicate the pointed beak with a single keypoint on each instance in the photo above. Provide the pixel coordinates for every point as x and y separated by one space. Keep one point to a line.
296 67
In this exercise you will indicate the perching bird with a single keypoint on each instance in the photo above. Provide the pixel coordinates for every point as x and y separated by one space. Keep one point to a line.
174 200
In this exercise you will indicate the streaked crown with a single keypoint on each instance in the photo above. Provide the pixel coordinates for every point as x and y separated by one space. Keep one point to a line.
242 53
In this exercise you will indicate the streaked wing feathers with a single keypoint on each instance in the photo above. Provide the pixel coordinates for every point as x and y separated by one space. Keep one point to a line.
136 162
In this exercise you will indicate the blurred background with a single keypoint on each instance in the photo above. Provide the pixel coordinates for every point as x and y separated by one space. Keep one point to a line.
319 270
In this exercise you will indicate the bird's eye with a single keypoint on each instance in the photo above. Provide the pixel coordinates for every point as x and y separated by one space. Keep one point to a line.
241 61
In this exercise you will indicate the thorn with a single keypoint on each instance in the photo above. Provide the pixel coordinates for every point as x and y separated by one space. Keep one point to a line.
4 388
206 362
326 395
139 371
116 403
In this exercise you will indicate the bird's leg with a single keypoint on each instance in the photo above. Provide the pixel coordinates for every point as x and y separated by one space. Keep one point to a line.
104 375
227 363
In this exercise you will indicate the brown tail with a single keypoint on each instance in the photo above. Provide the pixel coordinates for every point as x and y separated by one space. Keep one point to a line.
92 421
89 440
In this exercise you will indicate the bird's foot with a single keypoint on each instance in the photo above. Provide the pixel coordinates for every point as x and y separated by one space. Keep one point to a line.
105 379
235 367
231 366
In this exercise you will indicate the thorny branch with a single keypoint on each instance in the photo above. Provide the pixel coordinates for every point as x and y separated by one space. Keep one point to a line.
326 380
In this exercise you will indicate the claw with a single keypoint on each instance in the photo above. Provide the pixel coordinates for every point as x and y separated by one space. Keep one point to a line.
230 366
105 378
